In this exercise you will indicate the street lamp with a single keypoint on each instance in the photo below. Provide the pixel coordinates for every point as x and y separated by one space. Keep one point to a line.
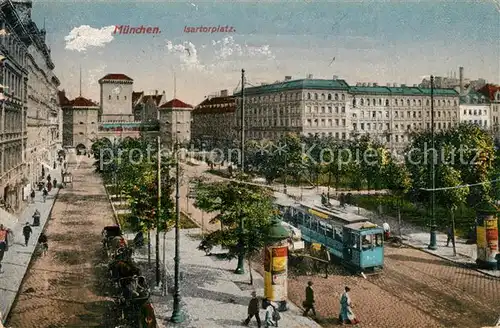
177 315
433 244
240 269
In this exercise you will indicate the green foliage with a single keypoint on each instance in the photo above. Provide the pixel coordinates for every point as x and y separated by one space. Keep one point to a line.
131 165
233 201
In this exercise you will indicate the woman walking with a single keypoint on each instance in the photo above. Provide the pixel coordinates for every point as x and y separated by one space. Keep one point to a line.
346 315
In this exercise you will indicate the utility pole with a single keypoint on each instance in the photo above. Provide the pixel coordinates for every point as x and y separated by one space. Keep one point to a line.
158 206
240 269
432 244
177 315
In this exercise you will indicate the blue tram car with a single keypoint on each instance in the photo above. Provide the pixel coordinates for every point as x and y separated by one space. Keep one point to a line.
351 238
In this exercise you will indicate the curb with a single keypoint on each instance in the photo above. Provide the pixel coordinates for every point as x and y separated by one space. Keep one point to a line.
466 265
49 213
115 215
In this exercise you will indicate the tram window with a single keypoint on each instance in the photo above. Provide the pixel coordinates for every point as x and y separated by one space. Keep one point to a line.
370 241
355 241
329 231
338 234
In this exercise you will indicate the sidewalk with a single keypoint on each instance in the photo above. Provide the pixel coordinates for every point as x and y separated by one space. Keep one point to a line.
414 236
212 295
17 259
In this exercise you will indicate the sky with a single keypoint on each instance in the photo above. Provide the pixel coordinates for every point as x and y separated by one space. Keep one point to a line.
371 41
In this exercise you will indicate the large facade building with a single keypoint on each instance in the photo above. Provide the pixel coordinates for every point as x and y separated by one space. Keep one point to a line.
475 109
30 116
329 108
209 116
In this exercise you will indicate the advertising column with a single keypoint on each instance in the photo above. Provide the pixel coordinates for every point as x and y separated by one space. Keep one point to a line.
487 241
275 277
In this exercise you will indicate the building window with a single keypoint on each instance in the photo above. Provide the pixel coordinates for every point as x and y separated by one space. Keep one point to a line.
308 96
336 96
81 122
387 102
315 96
329 96
109 97
125 97
117 97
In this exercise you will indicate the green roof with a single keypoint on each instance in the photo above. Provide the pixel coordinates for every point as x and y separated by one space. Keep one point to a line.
402 91
313 84
319 84
474 97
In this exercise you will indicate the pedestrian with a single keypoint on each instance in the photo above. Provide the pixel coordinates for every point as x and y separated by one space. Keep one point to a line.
49 186
4 242
44 243
346 315
309 302
253 310
451 236
48 178
27 233
272 315
387 230
55 183
45 193
32 195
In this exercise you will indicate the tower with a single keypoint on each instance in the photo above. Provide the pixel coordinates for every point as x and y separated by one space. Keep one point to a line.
116 98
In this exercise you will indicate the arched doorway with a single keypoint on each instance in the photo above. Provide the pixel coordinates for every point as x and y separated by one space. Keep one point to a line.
81 149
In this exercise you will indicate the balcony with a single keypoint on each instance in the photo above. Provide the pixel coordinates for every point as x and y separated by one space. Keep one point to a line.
128 126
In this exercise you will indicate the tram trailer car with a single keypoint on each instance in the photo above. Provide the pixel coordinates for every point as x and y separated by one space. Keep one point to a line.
351 238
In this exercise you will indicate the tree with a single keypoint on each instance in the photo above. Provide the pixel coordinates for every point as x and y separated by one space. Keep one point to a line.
397 180
232 202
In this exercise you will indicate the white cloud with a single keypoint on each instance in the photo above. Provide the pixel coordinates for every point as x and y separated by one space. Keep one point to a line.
188 55
83 37
227 47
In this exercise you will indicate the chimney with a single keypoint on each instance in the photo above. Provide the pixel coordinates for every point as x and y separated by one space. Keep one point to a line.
375 84
156 92
388 84
461 75
395 85
309 76
288 78
335 77
224 93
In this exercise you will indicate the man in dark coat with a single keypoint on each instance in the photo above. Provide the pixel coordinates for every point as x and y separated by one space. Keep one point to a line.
309 302
27 233
253 310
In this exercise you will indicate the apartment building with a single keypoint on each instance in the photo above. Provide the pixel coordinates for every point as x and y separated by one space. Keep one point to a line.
390 113
80 122
13 99
209 116
335 109
475 109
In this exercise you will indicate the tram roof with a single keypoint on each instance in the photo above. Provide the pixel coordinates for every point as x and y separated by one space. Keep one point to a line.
335 214
362 225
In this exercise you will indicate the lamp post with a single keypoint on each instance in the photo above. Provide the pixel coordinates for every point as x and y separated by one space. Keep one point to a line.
284 178
241 256
158 209
432 244
177 315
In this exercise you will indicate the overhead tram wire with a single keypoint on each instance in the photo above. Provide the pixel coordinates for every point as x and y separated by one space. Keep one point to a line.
460 186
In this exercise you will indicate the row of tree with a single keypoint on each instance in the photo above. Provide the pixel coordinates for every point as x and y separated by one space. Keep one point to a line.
131 167
463 155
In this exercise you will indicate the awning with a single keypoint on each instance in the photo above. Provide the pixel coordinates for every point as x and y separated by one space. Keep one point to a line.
7 219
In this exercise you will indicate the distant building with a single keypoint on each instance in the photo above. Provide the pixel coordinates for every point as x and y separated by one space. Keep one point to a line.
492 93
452 82
146 106
475 109
208 118
175 122
116 98
80 122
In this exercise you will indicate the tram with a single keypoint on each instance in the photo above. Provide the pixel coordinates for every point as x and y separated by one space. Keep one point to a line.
351 238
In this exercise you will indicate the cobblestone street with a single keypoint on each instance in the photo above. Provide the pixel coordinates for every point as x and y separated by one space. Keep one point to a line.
63 288
414 290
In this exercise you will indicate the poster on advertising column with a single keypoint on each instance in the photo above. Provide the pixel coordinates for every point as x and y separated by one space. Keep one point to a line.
275 266
491 234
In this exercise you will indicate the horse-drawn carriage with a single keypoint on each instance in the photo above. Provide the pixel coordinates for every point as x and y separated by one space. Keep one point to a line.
133 300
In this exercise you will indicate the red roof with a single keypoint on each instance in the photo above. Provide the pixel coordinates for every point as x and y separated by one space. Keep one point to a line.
216 105
175 103
81 102
489 90
116 76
